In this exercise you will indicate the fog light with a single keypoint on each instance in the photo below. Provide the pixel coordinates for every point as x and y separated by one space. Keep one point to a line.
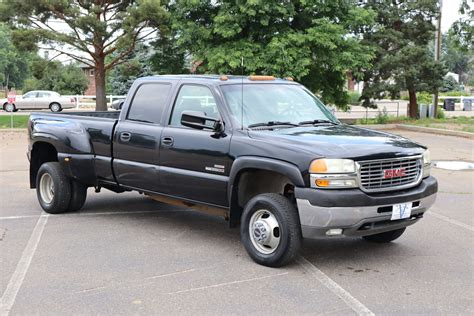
334 232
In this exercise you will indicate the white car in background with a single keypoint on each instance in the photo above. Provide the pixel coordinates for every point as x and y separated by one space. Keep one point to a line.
40 99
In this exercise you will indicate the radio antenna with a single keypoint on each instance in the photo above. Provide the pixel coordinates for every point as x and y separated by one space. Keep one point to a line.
242 91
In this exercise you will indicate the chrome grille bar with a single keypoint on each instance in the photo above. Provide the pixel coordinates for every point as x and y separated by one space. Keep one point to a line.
371 173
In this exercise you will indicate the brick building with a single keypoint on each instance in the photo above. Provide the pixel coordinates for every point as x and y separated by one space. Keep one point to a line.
90 74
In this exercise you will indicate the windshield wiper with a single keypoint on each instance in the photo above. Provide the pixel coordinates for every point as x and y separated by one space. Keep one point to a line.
271 123
314 122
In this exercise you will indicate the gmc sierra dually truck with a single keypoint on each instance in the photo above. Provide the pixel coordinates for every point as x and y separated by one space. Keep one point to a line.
262 152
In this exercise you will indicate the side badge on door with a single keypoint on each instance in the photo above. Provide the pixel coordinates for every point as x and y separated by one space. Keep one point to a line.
216 168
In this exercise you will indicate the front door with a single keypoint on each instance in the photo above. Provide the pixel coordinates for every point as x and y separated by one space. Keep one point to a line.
137 138
194 164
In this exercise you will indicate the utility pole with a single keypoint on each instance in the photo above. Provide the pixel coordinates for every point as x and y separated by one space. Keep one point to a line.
437 53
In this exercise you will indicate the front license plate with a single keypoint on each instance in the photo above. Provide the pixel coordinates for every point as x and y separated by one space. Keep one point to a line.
401 211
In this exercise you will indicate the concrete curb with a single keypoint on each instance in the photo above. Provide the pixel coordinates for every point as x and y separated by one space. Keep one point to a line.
438 131
421 129
13 130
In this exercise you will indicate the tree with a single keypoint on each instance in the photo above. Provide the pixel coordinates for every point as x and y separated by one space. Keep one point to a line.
314 42
402 61
454 55
449 84
52 75
464 27
136 65
87 31
13 65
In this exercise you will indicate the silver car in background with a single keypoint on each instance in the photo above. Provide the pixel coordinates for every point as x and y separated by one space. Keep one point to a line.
39 99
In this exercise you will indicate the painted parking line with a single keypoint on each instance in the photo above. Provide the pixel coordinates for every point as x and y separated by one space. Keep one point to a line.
451 221
227 283
335 288
8 298
90 214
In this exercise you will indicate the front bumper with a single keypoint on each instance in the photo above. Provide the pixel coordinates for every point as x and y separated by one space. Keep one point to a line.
358 213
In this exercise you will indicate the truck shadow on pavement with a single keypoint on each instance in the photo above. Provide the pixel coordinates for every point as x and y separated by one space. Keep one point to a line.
159 219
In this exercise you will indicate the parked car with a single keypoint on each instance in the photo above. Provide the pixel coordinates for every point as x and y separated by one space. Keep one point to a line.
262 152
40 99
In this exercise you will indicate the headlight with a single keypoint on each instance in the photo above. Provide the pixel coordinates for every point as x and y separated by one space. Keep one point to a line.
333 173
426 163
332 166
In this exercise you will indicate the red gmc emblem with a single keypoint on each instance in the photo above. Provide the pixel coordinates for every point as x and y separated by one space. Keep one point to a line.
393 173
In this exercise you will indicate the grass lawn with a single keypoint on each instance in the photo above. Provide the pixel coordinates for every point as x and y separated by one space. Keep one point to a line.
19 121
461 123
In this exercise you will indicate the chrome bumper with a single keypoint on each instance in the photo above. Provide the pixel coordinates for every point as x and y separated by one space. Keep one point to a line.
357 220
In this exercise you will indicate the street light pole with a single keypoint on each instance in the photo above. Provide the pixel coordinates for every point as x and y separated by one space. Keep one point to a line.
437 52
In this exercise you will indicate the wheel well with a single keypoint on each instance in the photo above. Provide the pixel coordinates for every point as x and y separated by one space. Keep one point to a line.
252 182
42 152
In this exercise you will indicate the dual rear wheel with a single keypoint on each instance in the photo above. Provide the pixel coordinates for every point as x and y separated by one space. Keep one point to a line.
56 192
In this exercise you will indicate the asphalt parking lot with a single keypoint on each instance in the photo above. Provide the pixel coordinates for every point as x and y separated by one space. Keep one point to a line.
126 254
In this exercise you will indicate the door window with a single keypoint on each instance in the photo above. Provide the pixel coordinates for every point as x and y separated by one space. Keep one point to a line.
30 95
193 98
148 103
43 95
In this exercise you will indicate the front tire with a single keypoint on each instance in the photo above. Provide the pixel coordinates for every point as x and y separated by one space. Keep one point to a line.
385 237
270 230
53 188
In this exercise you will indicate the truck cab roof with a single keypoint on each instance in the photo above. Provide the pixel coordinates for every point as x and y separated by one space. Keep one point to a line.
219 79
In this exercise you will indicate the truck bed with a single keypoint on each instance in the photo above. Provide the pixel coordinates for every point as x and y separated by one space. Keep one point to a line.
113 115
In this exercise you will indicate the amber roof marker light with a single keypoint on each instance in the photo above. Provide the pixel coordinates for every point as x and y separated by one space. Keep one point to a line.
261 78
223 78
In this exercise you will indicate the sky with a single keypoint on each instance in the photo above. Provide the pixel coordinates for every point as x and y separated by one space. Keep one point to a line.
449 14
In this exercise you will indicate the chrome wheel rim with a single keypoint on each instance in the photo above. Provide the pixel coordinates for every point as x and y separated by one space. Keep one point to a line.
55 107
9 107
264 231
47 188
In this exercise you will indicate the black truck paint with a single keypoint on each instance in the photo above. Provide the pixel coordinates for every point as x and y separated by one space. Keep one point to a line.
208 167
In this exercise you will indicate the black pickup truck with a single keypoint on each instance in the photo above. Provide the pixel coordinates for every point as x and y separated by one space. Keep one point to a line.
262 152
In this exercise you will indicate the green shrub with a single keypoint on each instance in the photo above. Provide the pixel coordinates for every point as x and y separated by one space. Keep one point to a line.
354 97
440 113
455 94
382 117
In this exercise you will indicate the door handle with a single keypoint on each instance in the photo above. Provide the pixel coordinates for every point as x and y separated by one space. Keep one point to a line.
125 136
167 141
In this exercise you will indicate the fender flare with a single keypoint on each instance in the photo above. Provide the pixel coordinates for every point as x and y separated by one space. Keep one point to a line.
254 162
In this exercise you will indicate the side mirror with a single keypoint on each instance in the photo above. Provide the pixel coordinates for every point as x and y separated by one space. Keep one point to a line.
199 120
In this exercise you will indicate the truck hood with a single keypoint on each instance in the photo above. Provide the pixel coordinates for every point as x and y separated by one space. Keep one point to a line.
340 141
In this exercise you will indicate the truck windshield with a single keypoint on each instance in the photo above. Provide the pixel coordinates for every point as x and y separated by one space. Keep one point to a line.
275 104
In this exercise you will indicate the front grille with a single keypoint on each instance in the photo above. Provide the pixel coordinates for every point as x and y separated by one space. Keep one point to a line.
372 174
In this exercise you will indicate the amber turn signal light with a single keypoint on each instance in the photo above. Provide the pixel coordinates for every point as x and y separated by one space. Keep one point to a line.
261 78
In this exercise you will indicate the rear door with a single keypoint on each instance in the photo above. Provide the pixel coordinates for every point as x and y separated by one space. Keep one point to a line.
137 138
194 164
43 100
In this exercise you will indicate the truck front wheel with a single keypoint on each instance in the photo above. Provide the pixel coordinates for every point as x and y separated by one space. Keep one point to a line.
385 237
53 188
270 230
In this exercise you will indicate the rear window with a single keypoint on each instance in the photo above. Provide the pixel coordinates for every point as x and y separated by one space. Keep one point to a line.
149 102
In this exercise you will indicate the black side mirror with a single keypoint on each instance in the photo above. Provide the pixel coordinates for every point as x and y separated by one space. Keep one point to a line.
199 120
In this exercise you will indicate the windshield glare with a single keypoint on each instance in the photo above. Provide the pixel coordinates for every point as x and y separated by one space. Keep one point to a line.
274 102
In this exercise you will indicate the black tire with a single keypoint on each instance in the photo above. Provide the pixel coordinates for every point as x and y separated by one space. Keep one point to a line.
385 237
61 187
55 107
78 196
289 229
14 109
